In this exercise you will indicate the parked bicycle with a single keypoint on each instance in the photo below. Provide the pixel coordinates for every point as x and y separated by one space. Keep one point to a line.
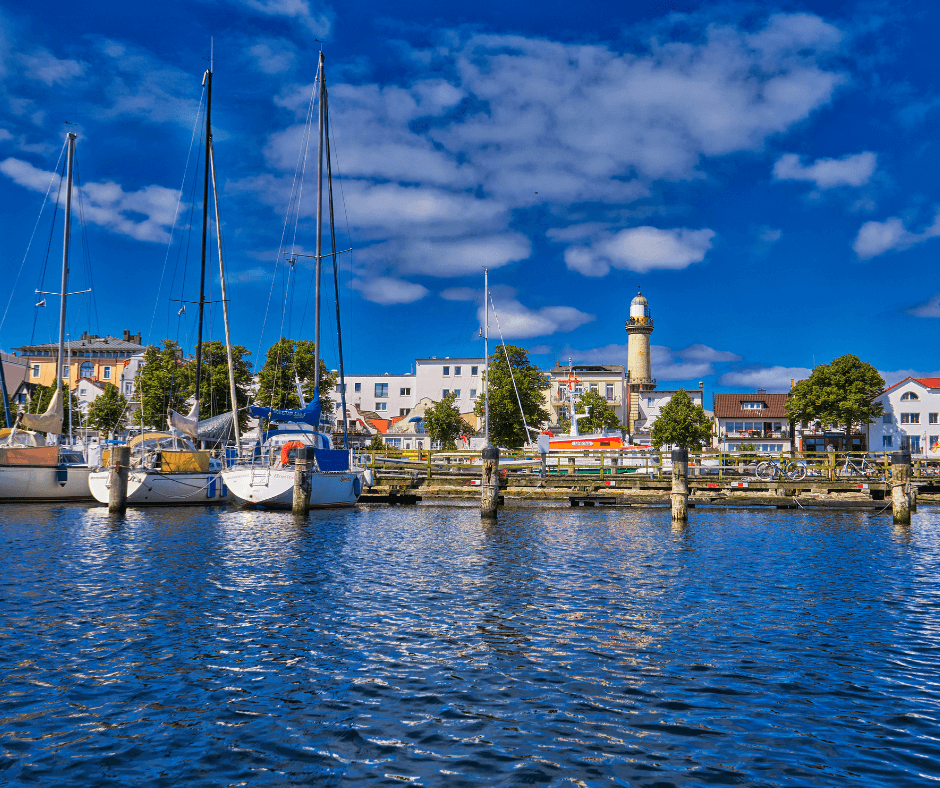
774 469
860 467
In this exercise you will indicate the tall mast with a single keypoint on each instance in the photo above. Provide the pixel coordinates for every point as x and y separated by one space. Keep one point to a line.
65 262
206 80
228 338
316 330
486 352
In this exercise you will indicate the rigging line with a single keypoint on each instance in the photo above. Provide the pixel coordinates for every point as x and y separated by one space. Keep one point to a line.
45 262
45 199
169 244
511 376
86 252
187 237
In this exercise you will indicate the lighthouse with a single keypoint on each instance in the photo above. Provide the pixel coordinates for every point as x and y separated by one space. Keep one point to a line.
639 371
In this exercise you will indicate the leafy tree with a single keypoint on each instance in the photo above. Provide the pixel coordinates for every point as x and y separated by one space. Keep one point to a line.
42 396
276 380
164 382
682 423
107 412
506 427
376 444
839 394
215 396
442 422
602 415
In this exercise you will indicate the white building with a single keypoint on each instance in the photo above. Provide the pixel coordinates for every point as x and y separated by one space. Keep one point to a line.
911 420
387 395
650 402
437 377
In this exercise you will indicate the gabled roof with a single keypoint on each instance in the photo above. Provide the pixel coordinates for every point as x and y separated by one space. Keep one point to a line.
728 406
927 383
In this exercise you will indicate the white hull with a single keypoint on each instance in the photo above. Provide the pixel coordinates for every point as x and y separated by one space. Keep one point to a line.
145 487
24 483
274 487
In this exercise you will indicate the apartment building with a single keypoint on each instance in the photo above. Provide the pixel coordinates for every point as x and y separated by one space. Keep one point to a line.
100 359
911 420
437 377
756 419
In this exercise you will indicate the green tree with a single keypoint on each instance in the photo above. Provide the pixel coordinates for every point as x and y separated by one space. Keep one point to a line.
602 415
839 394
276 380
442 422
215 396
682 423
42 396
107 412
506 427
164 382
376 444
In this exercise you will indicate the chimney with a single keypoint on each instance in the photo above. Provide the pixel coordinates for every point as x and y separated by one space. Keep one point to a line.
792 383
137 338
127 335
84 335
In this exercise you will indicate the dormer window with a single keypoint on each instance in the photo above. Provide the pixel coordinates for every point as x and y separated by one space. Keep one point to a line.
753 405
909 395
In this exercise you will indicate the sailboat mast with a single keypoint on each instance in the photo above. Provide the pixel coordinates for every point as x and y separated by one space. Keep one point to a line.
228 338
316 330
207 80
486 353
65 260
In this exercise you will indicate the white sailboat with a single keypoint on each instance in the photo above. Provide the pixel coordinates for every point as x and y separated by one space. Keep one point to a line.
267 478
30 470
166 469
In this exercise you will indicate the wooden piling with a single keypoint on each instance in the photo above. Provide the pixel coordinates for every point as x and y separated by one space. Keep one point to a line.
490 483
117 493
301 504
680 485
900 484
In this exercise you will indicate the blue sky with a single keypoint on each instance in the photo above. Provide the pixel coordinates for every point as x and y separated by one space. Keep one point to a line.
765 173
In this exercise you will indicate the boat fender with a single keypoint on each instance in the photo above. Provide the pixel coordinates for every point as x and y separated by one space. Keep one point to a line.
357 485
368 477
288 450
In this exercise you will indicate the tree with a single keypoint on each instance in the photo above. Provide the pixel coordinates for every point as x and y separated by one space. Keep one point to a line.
506 427
682 423
163 382
42 396
107 412
443 422
276 380
839 394
602 415
376 444
215 396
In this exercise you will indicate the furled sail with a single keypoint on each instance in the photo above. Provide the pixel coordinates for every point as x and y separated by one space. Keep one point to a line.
310 414
217 429
50 421
188 425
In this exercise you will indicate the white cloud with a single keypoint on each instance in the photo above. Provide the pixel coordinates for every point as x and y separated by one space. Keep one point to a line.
755 377
273 55
256 274
451 256
107 204
897 375
850 170
459 294
769 235
640 249
5 135
42 65
318 24
690 363
930 308
388 290
875 238
516 321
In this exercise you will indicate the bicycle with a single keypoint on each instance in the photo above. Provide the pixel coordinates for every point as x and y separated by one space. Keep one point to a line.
772 469
867 468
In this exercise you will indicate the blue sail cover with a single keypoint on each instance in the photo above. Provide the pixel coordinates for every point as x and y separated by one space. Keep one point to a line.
308 415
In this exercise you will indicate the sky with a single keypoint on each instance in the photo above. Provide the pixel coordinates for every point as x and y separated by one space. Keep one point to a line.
766 173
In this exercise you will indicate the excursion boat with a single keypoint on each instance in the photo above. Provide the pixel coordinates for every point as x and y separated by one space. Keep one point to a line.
574 440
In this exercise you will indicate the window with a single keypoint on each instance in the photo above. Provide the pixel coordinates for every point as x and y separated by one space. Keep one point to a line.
82 390
753 405
908 395
381 390
910 418
35 370
446 392
649 402
401 411
358 387
381 405
65 370
396 442
86 370
404 392
340 388
886 441
447 370
456 370
107 370
457 392
933 443
594 388
610 391
128 388
886 418
473 393
910 443
931 418
474 370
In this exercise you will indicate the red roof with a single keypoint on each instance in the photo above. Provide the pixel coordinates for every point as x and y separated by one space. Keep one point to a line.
728 406
930 383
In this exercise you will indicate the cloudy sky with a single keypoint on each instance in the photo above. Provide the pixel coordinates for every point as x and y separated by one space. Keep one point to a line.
765 173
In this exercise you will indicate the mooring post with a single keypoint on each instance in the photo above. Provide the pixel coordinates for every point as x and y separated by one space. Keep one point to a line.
900 482
680 485
117 494
543 466
301 493
490 485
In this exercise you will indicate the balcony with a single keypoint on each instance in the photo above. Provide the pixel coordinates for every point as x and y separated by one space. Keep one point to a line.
645 322
763 434
562 399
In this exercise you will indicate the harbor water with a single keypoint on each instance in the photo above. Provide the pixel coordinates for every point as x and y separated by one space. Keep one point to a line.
381 646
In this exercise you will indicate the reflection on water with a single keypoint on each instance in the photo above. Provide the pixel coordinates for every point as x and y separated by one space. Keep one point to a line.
209 646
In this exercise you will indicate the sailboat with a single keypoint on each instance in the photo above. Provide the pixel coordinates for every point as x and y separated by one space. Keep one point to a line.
29 469
168 469
267 478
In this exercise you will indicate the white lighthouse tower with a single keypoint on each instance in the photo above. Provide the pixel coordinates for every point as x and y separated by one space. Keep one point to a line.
639 371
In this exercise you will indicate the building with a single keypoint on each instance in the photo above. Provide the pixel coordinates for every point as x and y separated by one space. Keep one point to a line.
435 378
649 404
608 381
639 377
100 359
911 420
758 420
385 395
14 373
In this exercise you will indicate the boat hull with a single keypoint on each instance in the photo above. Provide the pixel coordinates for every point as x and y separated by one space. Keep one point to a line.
152 488
578 442
30 483
274 487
